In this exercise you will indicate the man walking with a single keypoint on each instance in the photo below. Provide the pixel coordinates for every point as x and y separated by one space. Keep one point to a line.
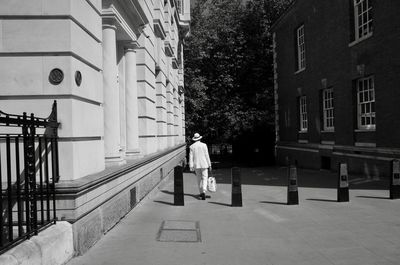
199 161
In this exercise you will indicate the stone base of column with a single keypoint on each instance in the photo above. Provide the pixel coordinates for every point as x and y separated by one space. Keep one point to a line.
114 160
171 141
162 143
148 145
133 154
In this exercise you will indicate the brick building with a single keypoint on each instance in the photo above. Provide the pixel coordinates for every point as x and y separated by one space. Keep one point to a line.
336 84
116 69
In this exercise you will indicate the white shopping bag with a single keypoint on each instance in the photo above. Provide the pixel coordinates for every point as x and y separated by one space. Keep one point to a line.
211 184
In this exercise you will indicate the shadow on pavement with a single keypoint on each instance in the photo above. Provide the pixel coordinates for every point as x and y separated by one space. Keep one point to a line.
220 203
163 202
374 197
269 202
172 193
196 196
322 200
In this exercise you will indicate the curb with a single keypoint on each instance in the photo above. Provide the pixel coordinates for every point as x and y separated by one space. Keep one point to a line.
53 246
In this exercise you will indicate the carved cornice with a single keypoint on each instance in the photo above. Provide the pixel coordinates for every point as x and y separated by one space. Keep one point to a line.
111 16
130 15
133 45
110 20
133 7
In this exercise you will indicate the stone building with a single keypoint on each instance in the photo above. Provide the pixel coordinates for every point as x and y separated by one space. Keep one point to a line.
116 69
336 78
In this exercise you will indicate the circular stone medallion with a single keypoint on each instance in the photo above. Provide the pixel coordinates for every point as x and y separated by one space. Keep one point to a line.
78 78
56 76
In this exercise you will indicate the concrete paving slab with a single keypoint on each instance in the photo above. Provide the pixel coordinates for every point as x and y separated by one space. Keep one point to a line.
351 255
265 231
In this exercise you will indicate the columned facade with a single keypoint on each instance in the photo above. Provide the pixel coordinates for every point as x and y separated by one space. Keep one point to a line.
121 132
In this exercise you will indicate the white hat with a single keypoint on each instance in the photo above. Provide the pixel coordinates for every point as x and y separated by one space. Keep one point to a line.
196 137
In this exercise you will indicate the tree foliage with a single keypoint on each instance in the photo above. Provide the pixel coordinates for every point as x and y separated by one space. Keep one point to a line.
228 67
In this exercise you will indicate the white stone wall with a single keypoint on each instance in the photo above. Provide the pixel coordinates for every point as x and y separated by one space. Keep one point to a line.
127 105
38 36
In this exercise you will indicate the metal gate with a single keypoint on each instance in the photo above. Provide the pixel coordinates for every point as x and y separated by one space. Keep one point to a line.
28 173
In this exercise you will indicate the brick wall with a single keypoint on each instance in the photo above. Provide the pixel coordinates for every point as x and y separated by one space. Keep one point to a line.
333 61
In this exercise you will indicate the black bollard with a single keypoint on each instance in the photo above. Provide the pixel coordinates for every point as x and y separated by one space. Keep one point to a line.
343 184
293 193
395 180
236 188
178 186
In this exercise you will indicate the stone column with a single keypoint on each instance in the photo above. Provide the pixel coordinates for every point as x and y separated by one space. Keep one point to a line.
131 103
111 93
122 107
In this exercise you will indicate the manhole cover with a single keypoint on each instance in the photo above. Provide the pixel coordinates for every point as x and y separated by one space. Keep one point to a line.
179 231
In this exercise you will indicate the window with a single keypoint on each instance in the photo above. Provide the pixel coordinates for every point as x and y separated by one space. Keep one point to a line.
303 114
180 7
362 18
300 49
327 108
366 103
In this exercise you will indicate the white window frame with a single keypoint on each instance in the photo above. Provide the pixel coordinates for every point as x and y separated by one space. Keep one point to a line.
366 103
303 114
301 48
328 109
362 19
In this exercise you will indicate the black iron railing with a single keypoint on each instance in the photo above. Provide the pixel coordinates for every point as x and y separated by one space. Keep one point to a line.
28 173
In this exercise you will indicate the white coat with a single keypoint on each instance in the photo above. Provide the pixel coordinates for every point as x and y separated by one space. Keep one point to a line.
198 156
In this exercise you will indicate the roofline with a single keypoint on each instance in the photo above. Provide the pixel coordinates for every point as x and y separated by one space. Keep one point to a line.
283 15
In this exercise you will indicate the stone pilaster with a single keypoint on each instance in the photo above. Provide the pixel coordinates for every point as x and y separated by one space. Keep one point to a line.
170 115
147 92
183 119
180 113
176 115
161 102
161 111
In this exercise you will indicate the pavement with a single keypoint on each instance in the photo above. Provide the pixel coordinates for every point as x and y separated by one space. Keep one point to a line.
265 231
